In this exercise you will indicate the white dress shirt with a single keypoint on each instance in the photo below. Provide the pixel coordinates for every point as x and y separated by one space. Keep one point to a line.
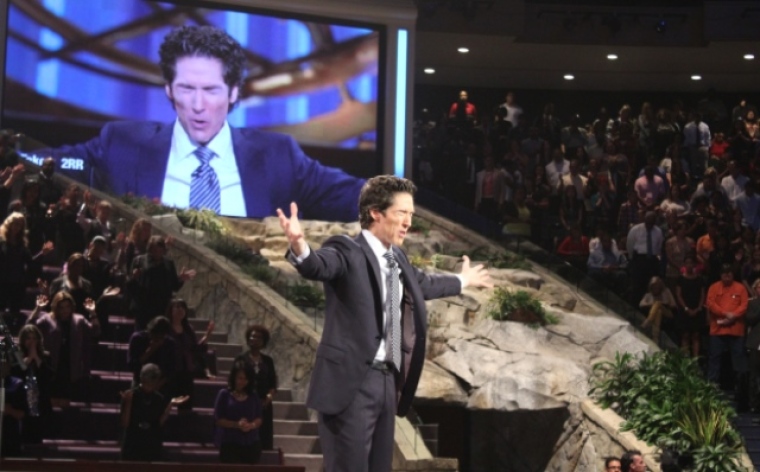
182 163
636 242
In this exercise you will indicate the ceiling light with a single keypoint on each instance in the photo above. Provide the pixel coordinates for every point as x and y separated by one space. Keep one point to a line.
696 77
749 57
429 70
569 77
612 57
463 50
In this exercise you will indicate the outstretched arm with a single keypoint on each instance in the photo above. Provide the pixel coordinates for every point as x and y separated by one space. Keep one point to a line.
476 276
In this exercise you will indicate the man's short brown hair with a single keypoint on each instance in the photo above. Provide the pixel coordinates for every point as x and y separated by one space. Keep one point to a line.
378 194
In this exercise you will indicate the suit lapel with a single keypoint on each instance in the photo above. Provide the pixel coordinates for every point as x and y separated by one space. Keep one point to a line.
377 289
151 171
250 156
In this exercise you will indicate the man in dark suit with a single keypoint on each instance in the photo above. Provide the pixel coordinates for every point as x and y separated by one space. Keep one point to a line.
372 350
200 161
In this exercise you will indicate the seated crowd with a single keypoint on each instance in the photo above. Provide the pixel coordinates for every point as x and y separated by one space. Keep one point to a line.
64 268
661 205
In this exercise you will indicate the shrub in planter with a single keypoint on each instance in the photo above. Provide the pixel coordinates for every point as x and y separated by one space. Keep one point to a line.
518 306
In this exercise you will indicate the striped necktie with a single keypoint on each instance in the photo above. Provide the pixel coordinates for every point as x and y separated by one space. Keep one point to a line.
393 313
204 185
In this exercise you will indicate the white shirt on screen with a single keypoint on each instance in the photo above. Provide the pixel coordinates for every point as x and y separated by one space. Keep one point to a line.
182 163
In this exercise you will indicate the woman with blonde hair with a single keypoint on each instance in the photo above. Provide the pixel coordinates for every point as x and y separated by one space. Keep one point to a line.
136 243
16 262
658 303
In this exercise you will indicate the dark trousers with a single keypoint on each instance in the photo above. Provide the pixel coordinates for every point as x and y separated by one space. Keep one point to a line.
754 378
642 268
230 453
721 344
360 439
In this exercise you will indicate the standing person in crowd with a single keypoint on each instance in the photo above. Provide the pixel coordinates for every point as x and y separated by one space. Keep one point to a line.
34 212
70 237
237 411
489 190
463 111
557 168
748 204
362 378
697 140
690 293
677 249
154 279
753 345
633 461
154 345
733 183
94 218
13 414
16 262
264 379
514 111
657 304
136 243
727 305
143 413
73 282
651 189
67 337
50 194
190 351
612 464
644 247
37 375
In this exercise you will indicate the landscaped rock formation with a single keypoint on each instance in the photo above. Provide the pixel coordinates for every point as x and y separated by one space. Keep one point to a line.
523 384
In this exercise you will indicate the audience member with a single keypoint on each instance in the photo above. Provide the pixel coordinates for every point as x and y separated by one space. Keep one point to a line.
657 304
752 345
264 379
37 375
154 345
612 464
16 262
690 293
644 246
67 337
238 418
489 190
73 282
50 193
462 111
726 304
633 461
13 414
677 249
514 111
154 279
143 413
190 351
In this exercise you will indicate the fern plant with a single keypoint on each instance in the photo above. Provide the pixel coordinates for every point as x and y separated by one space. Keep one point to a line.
518 306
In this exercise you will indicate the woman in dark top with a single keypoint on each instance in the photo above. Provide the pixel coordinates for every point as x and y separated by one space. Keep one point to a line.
136 244
690 295
37 375
190 351
143 414
237 411
73 282
16 261
34 211
264 379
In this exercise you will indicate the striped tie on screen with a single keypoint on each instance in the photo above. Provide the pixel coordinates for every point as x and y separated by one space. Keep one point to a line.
204 186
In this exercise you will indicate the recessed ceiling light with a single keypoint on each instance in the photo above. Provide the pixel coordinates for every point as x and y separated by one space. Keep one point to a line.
696 77
463 50
429 70
612 57
569 77
749 57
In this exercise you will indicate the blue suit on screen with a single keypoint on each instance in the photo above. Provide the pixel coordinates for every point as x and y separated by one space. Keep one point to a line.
274 171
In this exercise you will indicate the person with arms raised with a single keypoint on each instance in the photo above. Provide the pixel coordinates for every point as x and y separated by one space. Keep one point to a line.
372 350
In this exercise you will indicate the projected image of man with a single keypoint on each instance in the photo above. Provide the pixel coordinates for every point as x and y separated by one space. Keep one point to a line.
199 160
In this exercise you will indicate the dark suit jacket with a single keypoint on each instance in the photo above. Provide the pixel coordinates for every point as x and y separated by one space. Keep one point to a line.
353 322
274 171
752 318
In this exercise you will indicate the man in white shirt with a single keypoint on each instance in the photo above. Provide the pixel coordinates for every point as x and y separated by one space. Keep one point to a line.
556 169
696 142
513 109
734 182
644 246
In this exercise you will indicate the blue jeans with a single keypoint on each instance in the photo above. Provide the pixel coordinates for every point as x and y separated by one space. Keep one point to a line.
721 344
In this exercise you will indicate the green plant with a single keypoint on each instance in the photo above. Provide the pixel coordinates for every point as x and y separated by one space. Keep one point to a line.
203 220
666 402
234 251
303 294
420 226
518 306
418 261
259 271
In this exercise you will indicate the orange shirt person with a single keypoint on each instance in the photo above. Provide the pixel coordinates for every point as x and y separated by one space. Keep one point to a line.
727 304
